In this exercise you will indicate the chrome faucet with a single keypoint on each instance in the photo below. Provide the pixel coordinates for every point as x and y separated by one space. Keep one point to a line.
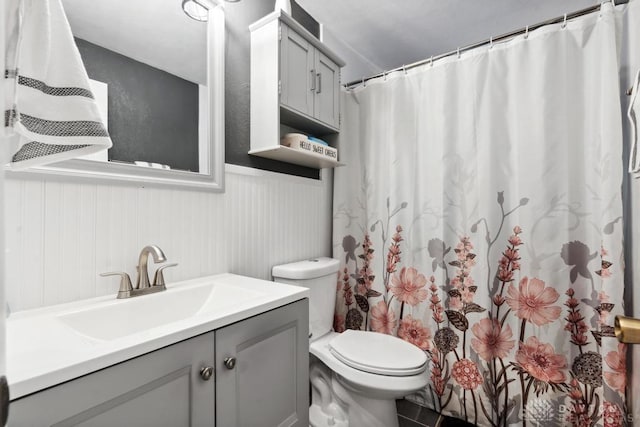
143 273
143 286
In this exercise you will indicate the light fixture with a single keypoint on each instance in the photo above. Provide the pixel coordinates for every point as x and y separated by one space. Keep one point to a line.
195 10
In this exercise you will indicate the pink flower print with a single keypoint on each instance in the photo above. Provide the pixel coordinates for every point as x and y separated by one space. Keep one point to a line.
338 323
617 361
603 297
467 295
393 256
455 303
435 306
498 300
533 301
612 415
455 282
491 340
466 373
541 362
411 330
505 275
575 392
383 319
408 286
579 416
515 240
511 254
517 229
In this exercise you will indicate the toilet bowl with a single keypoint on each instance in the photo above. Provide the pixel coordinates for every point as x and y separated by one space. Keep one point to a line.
364 398
355 376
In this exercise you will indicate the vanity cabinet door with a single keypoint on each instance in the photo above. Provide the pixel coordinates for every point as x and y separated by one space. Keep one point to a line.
262 366
162 388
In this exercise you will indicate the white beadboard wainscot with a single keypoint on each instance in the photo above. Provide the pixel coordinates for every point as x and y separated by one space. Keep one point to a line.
61 235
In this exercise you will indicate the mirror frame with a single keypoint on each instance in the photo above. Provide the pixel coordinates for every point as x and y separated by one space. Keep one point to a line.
82 169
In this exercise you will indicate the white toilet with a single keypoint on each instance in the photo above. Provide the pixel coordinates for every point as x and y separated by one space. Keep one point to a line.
355 376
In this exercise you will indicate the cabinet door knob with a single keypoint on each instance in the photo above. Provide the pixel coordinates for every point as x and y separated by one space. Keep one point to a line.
206 373
230 362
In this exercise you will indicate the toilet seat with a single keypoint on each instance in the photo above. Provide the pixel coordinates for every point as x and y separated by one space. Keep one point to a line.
378 353
366 382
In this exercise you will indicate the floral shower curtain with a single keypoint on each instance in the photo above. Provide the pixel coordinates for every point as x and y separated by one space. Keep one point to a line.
479 217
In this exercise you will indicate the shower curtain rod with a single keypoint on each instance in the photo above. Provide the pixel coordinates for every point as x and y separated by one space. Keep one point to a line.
492 40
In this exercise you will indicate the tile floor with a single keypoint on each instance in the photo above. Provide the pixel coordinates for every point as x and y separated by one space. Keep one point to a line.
413 415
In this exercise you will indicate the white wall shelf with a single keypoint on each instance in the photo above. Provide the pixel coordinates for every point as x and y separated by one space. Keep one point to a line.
295 87
297 157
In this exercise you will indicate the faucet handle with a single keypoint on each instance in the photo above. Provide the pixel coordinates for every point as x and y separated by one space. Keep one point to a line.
125 283
158 278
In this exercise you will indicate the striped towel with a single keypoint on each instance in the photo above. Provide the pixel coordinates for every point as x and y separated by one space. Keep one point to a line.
49 110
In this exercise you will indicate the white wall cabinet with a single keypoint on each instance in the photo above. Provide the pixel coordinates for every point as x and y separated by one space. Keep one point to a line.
295 87
266 385
309 79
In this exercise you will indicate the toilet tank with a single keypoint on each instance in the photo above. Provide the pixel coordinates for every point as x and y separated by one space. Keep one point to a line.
320 276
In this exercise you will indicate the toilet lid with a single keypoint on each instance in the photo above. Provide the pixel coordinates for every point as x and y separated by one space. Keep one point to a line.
378 353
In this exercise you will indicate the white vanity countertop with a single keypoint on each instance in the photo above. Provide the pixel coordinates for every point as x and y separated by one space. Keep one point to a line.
44 349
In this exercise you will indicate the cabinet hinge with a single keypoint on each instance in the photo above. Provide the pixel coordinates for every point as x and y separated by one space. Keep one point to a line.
280 32
279 87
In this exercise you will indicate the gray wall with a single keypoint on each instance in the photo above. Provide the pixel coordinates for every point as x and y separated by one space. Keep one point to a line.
237 95
153 115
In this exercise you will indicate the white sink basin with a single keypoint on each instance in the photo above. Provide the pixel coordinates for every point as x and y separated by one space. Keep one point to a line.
120 318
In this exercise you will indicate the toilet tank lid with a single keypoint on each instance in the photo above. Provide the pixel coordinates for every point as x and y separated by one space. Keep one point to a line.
308 269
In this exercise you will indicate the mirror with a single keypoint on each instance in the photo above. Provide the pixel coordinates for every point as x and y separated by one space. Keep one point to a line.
158 77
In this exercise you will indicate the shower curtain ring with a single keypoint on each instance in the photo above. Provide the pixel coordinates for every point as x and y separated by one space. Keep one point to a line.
364 82
431 61
564 22
526 32
458 52
384 75
490 42
404 68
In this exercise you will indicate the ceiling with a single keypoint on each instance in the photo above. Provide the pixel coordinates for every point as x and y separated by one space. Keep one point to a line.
389 34
385 33
157 33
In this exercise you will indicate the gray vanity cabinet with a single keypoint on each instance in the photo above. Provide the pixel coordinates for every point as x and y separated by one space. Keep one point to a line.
162 388
258 377
262 370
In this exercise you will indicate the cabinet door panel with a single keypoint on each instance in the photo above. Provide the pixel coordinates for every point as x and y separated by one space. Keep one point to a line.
163 401
296 71
269 385
327 101
162 388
